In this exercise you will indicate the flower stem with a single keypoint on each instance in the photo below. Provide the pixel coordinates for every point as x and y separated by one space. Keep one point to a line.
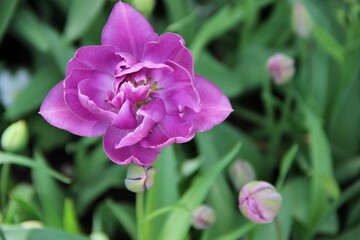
5 171
279 231
140 207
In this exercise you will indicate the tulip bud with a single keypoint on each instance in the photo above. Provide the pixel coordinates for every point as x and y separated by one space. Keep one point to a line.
259 201
98 236
281 68
203 217
32 224
241 172
139 178
302 20
15 137
145 7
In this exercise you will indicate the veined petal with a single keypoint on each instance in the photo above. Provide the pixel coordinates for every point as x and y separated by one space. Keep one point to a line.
177 88
152 113
92 96
170 130
215 106
102 58
170 46
127 30
125 155
126 117
71 89
57 113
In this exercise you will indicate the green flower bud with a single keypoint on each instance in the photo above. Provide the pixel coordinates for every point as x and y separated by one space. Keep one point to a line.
203 217
139 178
144 6
98 236
15 137
241 172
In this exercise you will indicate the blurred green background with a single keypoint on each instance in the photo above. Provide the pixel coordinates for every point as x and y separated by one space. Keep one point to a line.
302 136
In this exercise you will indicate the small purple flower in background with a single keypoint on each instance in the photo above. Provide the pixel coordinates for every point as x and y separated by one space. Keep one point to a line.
203 217
302 21
137 89
259 201
281 68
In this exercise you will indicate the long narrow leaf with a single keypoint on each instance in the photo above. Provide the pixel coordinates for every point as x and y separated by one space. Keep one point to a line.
178 223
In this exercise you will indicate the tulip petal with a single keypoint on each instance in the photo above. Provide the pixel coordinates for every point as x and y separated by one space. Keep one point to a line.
127 30
170 130
152 113
126 117
71 88
57 113
177 88
170 46
215 106
125 155
102 58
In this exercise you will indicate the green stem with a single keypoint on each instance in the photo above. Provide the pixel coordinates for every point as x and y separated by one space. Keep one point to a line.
268 103
279 130
279 231
5 171
140 212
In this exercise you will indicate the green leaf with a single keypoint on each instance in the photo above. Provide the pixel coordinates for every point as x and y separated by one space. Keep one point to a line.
164 191
178 223
81 15
222 21
31 97
218 73
329 44
28 26
70 221
89 189
321 160
52 234
27 162
7 10
220 194
238 232
50 196
125 214
286 164
14 232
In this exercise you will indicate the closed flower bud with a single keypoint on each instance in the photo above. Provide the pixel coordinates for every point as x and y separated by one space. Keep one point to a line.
98 236
302 20
144 6
32 224
139 178
281 68
259 201
15 137
203 217
241 172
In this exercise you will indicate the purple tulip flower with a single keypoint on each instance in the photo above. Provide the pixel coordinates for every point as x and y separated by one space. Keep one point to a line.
137 89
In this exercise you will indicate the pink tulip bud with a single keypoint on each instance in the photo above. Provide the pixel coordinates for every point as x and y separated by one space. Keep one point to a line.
241 172
259 201
281 68
302 20
139 178
203 217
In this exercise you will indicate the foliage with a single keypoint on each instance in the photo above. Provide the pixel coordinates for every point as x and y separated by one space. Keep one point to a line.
301 136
